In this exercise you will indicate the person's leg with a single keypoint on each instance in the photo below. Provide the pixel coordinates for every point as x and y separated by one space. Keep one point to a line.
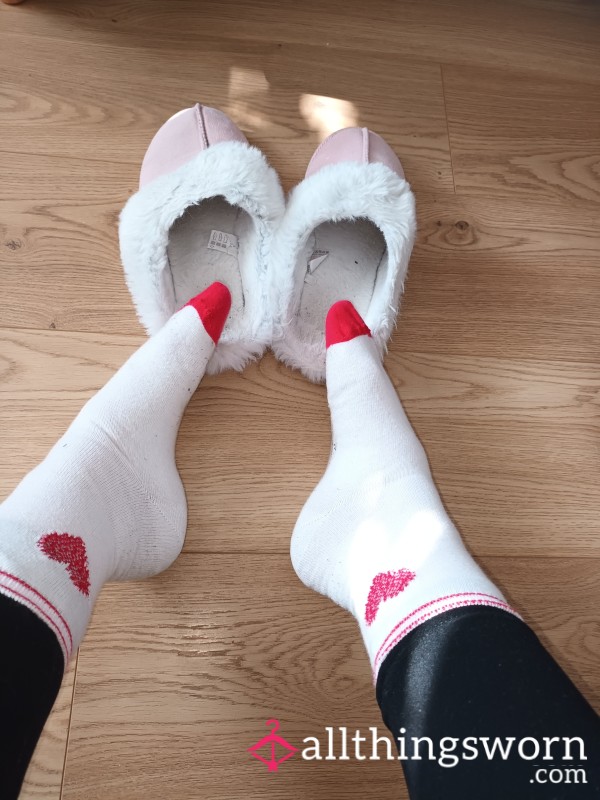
375 538
107 503
31 671
475 676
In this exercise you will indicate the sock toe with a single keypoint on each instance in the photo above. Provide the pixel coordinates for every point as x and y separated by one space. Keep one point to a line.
213 305
344 323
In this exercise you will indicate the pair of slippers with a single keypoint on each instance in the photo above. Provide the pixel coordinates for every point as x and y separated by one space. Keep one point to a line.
210 208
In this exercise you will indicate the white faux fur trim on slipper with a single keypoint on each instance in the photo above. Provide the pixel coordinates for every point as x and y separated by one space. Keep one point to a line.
343 191
240 174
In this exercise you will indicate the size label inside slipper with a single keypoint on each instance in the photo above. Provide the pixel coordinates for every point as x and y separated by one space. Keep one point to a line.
225 242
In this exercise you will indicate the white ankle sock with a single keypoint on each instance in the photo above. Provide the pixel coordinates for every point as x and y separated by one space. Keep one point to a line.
374 535
107 503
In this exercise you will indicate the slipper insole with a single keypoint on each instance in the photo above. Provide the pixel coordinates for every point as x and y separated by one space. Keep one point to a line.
212 241
341 261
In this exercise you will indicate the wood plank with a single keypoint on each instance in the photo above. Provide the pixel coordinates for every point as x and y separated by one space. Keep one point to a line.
512 442
178 675
558 38
58 245
523 137
503 278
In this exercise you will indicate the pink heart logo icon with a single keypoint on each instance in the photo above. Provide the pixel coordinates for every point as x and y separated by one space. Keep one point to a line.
386 585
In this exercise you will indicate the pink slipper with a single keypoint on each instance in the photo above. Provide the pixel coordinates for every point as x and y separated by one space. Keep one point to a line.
347 234
206 210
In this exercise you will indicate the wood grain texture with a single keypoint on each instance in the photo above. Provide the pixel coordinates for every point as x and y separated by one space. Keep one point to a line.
557 38
493 109
503 277
521 136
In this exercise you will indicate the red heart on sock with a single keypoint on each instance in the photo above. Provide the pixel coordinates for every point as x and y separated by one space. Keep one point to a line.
385 586
70 551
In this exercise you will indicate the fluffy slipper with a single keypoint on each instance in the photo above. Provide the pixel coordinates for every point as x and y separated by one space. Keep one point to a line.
347 234
206 210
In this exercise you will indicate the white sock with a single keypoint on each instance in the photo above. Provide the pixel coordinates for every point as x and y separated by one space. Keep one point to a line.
107 503
374 535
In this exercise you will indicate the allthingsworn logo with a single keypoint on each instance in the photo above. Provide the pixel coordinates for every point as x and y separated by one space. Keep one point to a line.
272 750
558 755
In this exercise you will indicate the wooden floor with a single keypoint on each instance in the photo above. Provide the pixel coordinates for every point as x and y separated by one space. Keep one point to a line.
494 109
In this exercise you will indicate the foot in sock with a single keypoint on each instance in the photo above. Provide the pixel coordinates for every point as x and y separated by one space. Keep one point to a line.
374 535
107 503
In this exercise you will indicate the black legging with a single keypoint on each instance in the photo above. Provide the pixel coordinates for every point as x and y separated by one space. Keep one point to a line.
480 672
31 671
471 672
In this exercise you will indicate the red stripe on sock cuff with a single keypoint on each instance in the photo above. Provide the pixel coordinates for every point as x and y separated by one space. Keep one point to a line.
20 590
431 609
213 305
344 323
39 612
